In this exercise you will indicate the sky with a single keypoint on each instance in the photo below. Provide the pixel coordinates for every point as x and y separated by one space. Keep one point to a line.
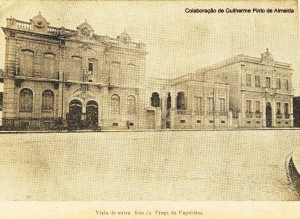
177 42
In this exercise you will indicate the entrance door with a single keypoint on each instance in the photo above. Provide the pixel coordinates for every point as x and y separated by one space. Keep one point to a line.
268 115
92 114
150 120
74 117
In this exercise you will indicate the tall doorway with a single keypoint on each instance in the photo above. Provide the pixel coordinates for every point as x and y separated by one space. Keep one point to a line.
75 113
92 114
168 119
150 120
268 115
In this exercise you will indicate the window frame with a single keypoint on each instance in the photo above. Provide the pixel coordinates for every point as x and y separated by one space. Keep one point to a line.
24 109
248 80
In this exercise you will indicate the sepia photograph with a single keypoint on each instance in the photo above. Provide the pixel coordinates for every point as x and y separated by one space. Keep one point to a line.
150 101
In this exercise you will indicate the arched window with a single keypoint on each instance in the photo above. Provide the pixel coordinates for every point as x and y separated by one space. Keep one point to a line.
130 70
181 101
26 63
169 101
76 67
115 103
49 65
48 100
155 100
115 72
131 104
26 100
92 113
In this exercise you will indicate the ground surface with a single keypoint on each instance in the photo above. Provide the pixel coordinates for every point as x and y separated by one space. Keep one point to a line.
167 165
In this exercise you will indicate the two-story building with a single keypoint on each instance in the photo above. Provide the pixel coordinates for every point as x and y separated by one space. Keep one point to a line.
57 75
260 90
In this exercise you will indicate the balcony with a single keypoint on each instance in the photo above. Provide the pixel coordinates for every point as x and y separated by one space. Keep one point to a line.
198 112
287 116
279 115
184 112
258 115
223 113
249 115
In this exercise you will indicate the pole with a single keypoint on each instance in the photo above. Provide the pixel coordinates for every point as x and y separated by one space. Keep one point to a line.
214 108
62 99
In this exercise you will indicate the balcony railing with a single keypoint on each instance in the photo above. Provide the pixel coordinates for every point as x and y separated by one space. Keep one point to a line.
198 112
11 22
249 114
184 112
258 114
223 113
279 115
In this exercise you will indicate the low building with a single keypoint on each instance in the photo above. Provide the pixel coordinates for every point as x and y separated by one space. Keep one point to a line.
188 103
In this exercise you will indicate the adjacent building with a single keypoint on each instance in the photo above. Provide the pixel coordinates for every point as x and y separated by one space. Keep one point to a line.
260 90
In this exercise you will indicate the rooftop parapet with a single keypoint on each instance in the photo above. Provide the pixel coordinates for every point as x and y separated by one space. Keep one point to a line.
39 24
265 60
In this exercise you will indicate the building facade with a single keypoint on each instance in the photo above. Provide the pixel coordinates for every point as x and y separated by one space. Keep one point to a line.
57 77
260 90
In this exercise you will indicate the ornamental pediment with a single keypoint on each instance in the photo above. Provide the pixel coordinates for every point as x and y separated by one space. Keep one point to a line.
86 43
85 30
267 58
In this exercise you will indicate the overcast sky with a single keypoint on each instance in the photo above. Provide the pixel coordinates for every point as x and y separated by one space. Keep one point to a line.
177 42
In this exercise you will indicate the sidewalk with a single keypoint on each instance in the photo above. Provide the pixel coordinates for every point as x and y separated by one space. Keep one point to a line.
148 130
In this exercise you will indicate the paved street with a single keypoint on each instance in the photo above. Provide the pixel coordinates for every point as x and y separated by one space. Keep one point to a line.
178 165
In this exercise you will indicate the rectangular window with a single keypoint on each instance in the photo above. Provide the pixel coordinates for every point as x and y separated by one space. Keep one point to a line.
257 81
257 106
278 83
248 106
182 121
198 121
268 82
286 84
286 108
91 66
278 109
210 104
222 104
198 104
115 124
248 80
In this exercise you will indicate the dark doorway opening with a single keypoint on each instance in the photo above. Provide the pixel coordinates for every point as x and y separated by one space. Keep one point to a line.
92 114
168 122
268 115
75 114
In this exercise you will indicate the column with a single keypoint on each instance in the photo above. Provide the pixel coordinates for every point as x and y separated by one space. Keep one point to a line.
173 109
264 112
242 111
273 112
